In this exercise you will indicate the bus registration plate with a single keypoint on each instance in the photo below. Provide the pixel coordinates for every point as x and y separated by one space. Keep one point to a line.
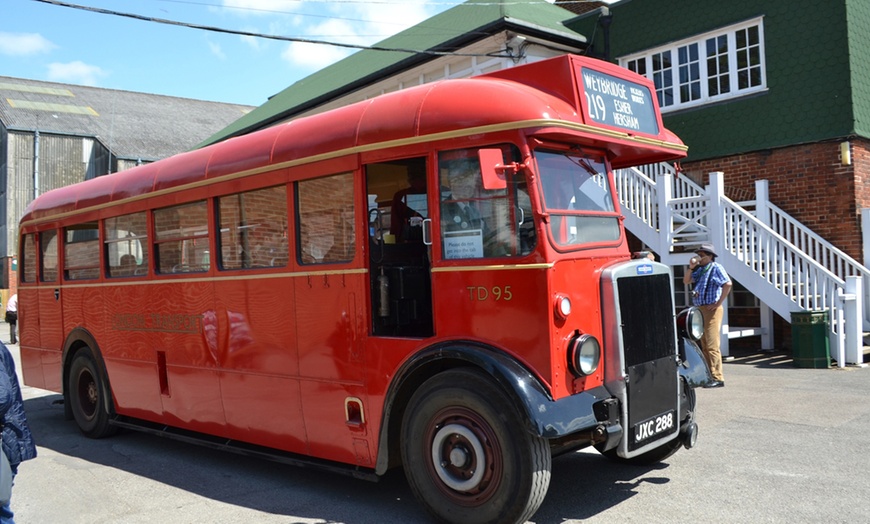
654 426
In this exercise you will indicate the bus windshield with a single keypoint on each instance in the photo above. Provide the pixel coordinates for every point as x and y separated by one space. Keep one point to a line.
578 198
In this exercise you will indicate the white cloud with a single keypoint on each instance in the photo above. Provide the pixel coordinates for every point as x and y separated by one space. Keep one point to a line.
24 44
313 56
353 23
75 73
217 51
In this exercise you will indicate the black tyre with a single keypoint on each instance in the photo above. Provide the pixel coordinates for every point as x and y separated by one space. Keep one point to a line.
87 397
468 456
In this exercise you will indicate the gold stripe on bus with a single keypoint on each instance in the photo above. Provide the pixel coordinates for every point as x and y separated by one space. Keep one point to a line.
400 142
494 267
170 280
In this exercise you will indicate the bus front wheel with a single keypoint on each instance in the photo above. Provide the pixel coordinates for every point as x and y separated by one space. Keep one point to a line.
86 395
467 454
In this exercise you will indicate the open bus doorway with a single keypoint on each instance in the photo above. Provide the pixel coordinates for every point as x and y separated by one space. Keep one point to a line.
399 260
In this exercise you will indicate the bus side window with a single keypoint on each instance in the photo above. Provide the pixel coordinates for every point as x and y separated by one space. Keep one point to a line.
81 251
48 246
27 268
181 238
125 240
481 223
253 229
327 229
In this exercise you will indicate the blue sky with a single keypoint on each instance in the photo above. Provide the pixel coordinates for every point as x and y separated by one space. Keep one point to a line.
60 44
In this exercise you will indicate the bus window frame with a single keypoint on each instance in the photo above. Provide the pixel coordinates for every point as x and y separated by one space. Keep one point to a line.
549 212
513 183
142 266
46 236
90 271
281 255
25 262
183 238
349 216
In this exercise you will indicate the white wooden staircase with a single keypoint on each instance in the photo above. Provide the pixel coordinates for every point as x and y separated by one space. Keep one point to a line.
787 266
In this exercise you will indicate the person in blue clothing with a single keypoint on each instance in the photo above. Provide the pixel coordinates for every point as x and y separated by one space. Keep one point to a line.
17 441
711 286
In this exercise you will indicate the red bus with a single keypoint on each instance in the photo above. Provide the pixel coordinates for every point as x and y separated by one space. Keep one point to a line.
436 278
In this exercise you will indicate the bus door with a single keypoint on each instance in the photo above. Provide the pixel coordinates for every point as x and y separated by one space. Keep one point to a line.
399 266
50 304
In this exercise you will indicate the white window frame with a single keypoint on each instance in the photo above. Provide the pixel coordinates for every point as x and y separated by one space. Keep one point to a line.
670 95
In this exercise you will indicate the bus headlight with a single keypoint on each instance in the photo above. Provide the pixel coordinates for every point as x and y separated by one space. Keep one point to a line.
584 354
695 324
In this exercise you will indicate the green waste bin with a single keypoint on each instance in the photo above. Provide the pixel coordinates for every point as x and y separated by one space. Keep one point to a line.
809 339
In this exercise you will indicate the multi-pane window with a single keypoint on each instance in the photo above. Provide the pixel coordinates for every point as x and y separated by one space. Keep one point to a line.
725 63
748 46
81 251
181 238
689 72
326 224
126 241
718 71
663 76
253 228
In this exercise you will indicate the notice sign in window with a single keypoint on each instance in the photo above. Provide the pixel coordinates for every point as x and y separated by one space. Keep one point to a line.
619 103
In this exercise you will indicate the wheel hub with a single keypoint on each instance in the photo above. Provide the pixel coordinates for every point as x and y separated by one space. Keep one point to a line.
459 457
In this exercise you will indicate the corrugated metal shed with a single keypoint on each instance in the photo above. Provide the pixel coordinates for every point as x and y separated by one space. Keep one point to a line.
131 125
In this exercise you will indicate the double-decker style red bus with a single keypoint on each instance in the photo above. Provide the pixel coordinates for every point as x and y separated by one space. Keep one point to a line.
436 278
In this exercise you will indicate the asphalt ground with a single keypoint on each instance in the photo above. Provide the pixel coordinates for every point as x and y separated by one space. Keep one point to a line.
777 444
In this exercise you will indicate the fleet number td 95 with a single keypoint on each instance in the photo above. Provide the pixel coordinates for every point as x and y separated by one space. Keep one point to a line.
481 293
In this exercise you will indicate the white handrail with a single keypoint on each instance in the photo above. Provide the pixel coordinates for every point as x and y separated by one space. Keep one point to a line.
637 193
814 245
809 284
802 269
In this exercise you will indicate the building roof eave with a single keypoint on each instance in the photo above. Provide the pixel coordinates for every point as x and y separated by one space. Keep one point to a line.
278 108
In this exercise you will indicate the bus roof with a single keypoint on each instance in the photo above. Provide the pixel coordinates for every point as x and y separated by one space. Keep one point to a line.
568 94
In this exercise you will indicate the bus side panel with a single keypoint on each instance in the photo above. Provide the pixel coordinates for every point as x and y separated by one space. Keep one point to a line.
180 313
128 350
332 364
34 371
510 306
260 367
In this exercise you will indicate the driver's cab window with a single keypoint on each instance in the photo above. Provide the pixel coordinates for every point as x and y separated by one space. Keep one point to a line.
482 223
578 198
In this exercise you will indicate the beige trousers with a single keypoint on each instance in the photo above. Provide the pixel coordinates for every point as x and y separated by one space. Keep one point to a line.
710 341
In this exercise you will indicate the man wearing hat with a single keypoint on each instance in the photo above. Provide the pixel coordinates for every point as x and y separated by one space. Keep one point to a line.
711 286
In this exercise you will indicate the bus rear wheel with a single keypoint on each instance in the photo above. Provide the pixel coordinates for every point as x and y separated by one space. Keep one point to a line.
87 397
467 454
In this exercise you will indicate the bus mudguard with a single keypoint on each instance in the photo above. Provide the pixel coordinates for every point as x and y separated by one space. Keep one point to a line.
546 417
693 367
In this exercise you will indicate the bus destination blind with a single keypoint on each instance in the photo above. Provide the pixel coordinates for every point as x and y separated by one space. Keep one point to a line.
619 103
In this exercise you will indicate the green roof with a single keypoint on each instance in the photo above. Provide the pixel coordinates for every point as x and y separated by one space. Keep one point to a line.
448 31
